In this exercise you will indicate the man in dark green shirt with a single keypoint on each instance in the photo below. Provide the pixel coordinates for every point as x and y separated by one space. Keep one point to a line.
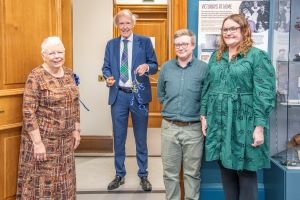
179 91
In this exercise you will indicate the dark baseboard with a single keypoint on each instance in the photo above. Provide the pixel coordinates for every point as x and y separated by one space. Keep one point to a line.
95 144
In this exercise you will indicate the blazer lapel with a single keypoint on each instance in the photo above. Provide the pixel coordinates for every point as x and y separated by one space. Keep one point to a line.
117 48
135 50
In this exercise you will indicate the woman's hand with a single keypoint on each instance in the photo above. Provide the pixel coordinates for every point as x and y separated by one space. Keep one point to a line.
39 151
203 124
76 136
258 136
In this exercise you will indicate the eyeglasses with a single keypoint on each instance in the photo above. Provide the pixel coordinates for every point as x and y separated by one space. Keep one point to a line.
230 29
183 45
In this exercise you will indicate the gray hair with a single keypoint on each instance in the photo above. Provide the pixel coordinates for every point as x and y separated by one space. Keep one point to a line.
125 12
182 32
50 41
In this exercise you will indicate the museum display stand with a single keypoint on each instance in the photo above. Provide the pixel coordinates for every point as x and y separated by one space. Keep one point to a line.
282 180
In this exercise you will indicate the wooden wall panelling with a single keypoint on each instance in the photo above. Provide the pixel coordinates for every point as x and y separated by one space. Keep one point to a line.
23 26
67 27
9 154
178 20
2 61
10 146
10 107
155 28
94 144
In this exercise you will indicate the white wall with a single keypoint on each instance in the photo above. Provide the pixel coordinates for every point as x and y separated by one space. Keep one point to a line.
92 28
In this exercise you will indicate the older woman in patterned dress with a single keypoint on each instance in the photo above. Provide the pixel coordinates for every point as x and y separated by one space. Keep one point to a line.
51 128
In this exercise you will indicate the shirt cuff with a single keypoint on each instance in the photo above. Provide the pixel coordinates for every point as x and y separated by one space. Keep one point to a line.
261 122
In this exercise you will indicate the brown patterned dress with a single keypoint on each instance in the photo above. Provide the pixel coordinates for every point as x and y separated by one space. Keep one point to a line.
52 105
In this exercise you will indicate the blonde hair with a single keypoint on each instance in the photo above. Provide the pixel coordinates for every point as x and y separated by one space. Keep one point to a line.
125 12
247 42
182 32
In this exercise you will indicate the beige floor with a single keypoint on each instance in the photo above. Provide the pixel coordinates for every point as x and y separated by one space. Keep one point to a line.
143 196
95 172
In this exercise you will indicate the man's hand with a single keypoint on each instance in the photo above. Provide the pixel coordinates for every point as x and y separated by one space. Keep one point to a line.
141 69
110 81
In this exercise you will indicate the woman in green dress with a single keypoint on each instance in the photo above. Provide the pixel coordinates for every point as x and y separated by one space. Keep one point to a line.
237 98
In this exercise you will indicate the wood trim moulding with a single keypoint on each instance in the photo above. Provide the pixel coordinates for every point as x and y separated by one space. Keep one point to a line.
95 144
155 115
178 20
11 92
56 17
2 41
67 31
10 126
142 8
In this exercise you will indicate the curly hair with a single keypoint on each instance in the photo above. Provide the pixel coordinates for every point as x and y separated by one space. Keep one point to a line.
247 42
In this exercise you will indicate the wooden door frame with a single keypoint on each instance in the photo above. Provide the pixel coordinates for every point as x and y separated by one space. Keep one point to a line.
177 15
177 20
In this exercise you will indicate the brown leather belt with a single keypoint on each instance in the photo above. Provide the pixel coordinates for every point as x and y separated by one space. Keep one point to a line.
180 123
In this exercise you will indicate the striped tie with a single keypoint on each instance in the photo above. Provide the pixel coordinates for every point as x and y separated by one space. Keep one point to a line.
124 63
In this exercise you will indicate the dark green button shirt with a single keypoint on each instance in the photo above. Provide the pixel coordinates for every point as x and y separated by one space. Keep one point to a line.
179 89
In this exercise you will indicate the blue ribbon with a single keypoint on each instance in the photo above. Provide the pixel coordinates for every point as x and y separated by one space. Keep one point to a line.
77 81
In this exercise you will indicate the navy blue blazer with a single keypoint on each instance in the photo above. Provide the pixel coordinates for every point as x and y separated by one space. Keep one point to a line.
142 52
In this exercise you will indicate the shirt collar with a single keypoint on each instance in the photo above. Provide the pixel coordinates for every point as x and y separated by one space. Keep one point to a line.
130 38
188 64
226 55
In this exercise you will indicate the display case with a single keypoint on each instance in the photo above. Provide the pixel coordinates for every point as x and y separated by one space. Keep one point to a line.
281 181
285 122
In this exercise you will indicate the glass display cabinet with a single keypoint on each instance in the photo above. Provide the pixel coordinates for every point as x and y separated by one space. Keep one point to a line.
282 180
285 122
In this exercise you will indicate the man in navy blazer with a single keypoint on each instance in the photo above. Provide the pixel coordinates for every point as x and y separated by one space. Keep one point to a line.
130 95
